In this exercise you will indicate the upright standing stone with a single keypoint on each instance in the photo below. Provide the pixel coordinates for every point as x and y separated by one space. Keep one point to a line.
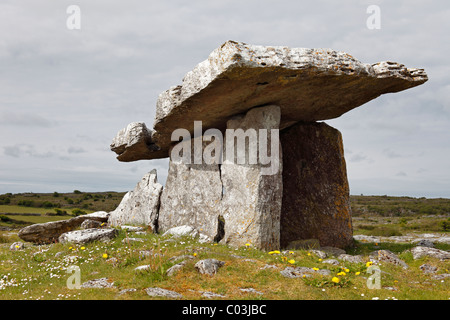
316 193
192 194
237 202
139 206
252 195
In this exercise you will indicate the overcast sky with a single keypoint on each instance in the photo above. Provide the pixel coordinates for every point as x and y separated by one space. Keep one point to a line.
64 93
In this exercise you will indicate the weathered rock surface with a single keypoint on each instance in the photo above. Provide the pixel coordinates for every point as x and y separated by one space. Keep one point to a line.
316 193
208 266
160 292
192 195
239 203
98 284
88 235
132 142
308 85
389 257
298 272
251 202
139 206
50 231
420 252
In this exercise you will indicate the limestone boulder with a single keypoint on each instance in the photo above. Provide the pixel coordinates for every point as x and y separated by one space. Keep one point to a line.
88 235
141 205
50 231
132 142
316 201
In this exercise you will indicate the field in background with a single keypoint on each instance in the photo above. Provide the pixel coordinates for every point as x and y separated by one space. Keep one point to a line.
19 210
372 215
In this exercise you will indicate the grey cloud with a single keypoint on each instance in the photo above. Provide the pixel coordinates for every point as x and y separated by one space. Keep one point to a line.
19 150
25 119
75 150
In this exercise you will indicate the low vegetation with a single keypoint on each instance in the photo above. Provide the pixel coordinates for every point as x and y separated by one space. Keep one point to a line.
40 272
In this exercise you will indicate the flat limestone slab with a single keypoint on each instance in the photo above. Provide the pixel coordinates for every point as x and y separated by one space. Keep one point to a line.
308 84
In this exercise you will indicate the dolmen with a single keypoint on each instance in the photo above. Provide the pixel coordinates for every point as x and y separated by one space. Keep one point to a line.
251 160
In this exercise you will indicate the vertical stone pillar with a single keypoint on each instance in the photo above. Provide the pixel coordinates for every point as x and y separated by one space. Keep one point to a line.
235 202
316 192
251 203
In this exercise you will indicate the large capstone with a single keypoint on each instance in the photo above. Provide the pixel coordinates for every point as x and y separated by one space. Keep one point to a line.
307 85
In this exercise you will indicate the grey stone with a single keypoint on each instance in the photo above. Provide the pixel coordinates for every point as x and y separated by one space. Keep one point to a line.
390 257
49 232
88 235
309 85
98 284
139 206
251 290
334 262
90 224
159 292
132 142
441 276
175 268
424 243
182 231
426 268
211 295
350 258
420 252
297 272
235 203
208 266
251 203
17 246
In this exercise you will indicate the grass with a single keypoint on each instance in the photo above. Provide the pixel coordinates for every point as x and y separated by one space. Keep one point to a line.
39 272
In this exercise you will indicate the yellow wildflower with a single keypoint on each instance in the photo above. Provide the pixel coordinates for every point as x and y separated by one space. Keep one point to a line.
357 273
316 269
105 256
320 260
369 263
291 252
335 279
82 248
195 254
247 244
347 270
292 261
283 259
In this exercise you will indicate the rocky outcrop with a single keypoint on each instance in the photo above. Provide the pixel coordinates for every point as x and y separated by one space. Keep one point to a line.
316 193
88 235
139 206
50 231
